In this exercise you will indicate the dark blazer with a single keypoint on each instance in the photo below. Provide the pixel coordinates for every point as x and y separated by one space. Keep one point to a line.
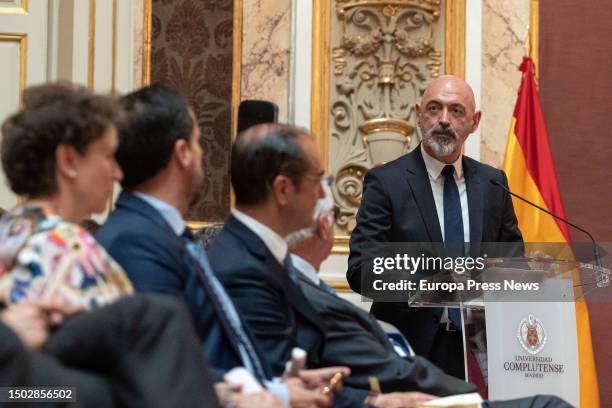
275 308
279 314
156 260
398 206
355 339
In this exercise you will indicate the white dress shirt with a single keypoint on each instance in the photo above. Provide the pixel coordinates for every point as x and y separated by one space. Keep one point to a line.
436 179
305 268
168 212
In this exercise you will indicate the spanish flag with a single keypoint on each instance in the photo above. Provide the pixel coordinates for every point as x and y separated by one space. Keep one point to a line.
531 174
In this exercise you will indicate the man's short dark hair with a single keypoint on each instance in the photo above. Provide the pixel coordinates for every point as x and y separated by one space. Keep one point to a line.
52 115
260 154
153 119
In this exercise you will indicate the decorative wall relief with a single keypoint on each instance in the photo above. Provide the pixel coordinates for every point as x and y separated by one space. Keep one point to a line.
383 55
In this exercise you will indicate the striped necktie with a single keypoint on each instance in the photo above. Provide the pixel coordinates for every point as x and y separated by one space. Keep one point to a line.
226 311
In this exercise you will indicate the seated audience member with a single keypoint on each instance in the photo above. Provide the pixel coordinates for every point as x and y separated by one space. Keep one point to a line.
58 153
354 337
161 158
276 174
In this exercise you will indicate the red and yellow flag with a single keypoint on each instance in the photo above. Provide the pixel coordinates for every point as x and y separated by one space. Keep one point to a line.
531 174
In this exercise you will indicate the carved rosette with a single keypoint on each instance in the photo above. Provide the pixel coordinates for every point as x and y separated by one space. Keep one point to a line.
383 54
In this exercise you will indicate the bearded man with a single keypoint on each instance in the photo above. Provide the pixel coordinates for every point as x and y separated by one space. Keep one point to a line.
434 194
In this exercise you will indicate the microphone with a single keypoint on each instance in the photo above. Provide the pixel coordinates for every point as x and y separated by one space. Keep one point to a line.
602 278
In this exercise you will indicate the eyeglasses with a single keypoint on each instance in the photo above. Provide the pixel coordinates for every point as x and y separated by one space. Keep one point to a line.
325 179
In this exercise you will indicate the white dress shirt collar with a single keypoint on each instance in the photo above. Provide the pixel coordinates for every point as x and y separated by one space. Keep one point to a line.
172 216
275 243
305 268
435 167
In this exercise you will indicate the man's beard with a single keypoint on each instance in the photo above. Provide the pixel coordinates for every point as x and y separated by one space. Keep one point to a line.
442 141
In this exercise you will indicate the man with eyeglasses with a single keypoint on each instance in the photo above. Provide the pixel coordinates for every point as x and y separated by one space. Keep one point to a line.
277 176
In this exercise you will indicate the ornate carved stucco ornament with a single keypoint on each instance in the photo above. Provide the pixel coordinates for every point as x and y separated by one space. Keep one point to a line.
384 53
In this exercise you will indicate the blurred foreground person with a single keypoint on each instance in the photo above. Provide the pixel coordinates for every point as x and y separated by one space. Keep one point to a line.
58 153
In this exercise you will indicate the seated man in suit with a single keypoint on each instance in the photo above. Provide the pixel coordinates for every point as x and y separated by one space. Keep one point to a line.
354 337
277 175
161 158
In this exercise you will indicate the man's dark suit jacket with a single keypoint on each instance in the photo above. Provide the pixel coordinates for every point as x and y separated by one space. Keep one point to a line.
275 308
398 206
156 260
355 339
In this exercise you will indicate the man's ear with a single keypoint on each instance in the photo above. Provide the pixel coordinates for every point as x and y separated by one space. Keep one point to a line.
476 120
182 153
417 107
282 189
66 161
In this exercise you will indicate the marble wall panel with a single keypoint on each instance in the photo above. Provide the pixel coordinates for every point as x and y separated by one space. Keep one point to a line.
504 29
266 47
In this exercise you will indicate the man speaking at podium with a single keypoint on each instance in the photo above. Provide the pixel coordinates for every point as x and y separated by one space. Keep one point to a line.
434 194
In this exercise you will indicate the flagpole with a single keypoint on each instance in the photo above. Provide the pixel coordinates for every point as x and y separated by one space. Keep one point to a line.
527 43
528 52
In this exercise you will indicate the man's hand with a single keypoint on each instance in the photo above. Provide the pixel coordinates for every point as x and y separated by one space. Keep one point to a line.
401 399
260 399
227 392
320 377
300 396
29 322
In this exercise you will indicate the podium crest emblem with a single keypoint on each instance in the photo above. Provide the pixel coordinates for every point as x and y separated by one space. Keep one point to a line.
531 334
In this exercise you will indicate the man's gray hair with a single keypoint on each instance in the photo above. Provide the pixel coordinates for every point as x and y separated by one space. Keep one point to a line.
324 204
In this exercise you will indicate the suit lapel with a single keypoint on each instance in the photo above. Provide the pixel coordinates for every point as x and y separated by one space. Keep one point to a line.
418 179
258 248
131 202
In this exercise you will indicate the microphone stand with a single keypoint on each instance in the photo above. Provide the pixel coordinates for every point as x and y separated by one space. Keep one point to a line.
603 280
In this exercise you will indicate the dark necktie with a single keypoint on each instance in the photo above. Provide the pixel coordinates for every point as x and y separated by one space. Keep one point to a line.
226 311
453 218
453 227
